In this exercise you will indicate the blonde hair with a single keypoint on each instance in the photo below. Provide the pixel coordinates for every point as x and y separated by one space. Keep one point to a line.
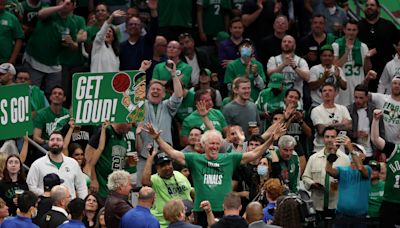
173 210
3 158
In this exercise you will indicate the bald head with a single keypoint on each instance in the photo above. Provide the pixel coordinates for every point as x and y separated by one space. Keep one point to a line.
288 44
146 194
60 196
254 212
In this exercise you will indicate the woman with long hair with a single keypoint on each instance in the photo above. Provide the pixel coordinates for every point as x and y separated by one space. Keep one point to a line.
105 50
92 207
13 180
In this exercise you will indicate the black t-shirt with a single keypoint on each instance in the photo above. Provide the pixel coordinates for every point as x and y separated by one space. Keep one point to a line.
308 44
81 136
262 26
7 193
381 35
269 46
231 221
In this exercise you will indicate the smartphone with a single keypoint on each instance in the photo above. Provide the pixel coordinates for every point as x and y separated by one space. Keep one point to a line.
341 136
169 65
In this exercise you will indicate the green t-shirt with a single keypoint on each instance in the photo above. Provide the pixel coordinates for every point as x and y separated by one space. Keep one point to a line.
187 106
73 57
30 12
10 30
290 171
375 199
175 13
195 120
48 36
237 68
213 15
392 183
37 98
176 186
183 71
212 179
48 121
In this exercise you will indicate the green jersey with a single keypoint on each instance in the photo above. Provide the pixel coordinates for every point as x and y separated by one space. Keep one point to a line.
195 120
392 184
212 178
290 171
176 186
73 57
187 106
30 12
268 102
214 15
112 158
48 121
48 36
183 70
10 30
375 199
175 13
237 68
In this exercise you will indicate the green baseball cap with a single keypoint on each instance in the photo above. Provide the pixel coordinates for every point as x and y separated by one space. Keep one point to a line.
326 47
221 36
205 71
276 81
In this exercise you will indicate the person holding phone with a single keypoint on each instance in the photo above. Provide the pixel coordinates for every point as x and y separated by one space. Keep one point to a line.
318 182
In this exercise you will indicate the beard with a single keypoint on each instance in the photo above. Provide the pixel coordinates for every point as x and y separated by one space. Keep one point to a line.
55 150
371 16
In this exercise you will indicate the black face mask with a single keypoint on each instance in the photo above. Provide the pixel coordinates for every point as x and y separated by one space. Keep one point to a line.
55 150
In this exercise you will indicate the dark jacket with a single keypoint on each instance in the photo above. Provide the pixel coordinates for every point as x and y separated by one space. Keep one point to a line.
202 58
52 219
354 117
115 207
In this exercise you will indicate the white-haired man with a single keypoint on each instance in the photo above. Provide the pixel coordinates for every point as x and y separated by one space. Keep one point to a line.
289 162
119 184
212 172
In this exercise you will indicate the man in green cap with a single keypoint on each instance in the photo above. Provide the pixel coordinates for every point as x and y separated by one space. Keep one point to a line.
324 73
271 98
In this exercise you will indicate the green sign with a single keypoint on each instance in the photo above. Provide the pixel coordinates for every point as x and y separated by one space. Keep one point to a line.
15 111
114 96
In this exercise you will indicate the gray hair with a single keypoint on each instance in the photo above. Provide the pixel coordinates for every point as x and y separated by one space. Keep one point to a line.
208 134
287 141
117 179
58 192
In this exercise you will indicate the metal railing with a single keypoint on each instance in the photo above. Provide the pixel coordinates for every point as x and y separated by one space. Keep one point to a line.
360 7
38 147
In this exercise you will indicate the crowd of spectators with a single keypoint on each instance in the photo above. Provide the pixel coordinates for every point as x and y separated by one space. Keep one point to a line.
255 111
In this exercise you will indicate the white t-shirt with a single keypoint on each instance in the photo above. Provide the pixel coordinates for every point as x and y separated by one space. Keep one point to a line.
194 80
391 115
292 79
363 125
316 73
324 116
354 74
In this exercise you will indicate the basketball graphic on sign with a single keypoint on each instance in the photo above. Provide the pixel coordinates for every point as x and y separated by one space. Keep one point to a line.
121 82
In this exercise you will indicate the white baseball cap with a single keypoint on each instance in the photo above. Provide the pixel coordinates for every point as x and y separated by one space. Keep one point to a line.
7 68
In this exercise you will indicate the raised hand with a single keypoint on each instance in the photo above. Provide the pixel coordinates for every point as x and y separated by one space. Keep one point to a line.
152 4
105 124
279 131
202 109
145 65
118 13
71 123
151 131
377 114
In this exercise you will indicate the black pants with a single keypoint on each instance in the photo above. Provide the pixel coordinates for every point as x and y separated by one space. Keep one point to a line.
325 217
389 214
201 217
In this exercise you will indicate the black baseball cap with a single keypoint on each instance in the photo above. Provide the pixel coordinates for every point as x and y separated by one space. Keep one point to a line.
374 165
51 180
161 158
